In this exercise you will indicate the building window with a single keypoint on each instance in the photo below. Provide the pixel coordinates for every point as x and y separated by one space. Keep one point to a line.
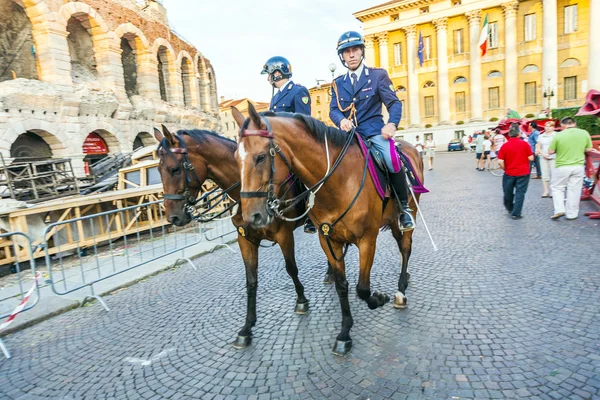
493 35
530 93
318 99
226 126
458 41
529 69
494 97
571 18
428 84
400 89
570 88
427 48
460 79
494 74
459 100
429 110
459 134
530 33
397 53
319 115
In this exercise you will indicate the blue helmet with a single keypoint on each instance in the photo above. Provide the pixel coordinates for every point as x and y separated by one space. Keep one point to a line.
347 40
280 64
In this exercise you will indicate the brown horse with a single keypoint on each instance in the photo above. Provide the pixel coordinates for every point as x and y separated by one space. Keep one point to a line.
186 161
272 146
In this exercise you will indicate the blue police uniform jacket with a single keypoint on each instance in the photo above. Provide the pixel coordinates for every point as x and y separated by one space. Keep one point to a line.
291 98
374 88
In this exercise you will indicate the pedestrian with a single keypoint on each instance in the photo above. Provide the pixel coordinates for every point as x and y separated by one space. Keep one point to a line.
487 150
419 145
466 143
470 141
430 151
357 101
498 140
570 147
479 151
546 160
290 97
514 158
532 140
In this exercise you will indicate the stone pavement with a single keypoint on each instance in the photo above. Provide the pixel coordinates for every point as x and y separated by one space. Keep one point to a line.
505 309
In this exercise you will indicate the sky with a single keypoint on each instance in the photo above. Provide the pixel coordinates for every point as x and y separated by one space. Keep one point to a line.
238 36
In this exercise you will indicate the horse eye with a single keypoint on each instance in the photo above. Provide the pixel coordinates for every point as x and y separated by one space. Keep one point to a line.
260 158
175 171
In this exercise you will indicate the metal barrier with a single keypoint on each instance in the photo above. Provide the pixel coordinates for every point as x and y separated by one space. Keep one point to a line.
88 258
11 296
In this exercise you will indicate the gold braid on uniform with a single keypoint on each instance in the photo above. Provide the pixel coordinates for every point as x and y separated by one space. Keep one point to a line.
351 107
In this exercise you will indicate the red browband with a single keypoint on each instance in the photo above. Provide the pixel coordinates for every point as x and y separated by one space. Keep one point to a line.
253 132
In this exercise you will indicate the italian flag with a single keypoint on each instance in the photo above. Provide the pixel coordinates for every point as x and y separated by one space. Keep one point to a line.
483 38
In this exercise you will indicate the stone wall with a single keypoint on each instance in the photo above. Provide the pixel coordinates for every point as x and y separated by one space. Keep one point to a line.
97 66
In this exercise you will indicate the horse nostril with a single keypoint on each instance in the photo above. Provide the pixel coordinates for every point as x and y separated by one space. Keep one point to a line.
174 220
256 218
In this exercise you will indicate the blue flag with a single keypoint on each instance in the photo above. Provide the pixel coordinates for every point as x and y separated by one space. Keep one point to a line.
420 49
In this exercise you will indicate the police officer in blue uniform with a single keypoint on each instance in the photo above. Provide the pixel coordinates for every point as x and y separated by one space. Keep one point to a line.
290 97
357 103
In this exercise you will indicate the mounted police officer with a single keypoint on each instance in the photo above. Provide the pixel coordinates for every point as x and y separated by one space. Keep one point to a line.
357 103
290 97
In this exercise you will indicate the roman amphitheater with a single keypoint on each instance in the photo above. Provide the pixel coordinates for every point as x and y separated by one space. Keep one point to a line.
85 79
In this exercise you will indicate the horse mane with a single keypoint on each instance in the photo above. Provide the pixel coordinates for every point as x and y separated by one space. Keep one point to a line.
201 136
317 129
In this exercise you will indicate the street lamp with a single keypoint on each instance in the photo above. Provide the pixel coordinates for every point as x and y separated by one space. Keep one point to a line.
332 68
549 92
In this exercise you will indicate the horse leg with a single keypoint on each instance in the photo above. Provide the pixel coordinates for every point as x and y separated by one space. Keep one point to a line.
286 243
404 240
250 257
329 276
343 343
366 249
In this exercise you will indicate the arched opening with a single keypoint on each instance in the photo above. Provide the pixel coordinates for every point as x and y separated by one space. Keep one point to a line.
81 49
202 86
97 145
400 89
530 68
17 48
186 77
460 79
143 139
163 71
428 84
570 62
494 74
212 84
29 146
130 69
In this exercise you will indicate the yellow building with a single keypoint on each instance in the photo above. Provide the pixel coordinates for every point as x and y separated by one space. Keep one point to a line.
229 127
320 97
536 48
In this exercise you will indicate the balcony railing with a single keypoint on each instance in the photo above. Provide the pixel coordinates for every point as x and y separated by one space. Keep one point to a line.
456 58
530 45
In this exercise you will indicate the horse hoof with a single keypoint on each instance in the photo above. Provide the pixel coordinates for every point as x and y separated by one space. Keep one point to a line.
301 308
342 347
400 301
328 280
241 342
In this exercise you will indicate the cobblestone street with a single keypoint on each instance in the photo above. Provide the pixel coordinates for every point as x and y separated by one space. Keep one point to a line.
504 309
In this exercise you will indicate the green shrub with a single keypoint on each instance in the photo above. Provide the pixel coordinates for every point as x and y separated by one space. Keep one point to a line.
529 116
400 128
428 126
587 122
460 122
493 119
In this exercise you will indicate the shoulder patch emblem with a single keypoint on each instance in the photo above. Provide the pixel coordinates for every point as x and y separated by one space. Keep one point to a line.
305 99
392 88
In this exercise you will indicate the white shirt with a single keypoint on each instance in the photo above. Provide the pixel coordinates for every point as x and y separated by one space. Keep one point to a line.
487 145
358 72
419 145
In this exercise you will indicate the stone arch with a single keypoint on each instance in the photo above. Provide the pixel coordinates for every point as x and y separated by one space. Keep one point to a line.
212 86
50 133
188 81
31 145
203 86
106 131
134 58
570 62
87 62
143 139
16 43
530 68
163 51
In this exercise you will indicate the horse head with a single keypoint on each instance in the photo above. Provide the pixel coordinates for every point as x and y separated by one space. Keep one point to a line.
181 179
263 167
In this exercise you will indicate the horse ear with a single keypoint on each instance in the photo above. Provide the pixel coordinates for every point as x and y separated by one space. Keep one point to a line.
254 115
168 136
238 116
158 135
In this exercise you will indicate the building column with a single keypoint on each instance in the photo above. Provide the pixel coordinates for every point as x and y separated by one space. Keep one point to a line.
511 88
550 49
383 51
474 18
370 50
594 47
52 52
443 84
413 79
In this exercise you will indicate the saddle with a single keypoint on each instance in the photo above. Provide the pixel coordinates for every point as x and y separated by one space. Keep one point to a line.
379 172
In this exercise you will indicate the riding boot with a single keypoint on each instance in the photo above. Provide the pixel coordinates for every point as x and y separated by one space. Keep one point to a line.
400 186
309 227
